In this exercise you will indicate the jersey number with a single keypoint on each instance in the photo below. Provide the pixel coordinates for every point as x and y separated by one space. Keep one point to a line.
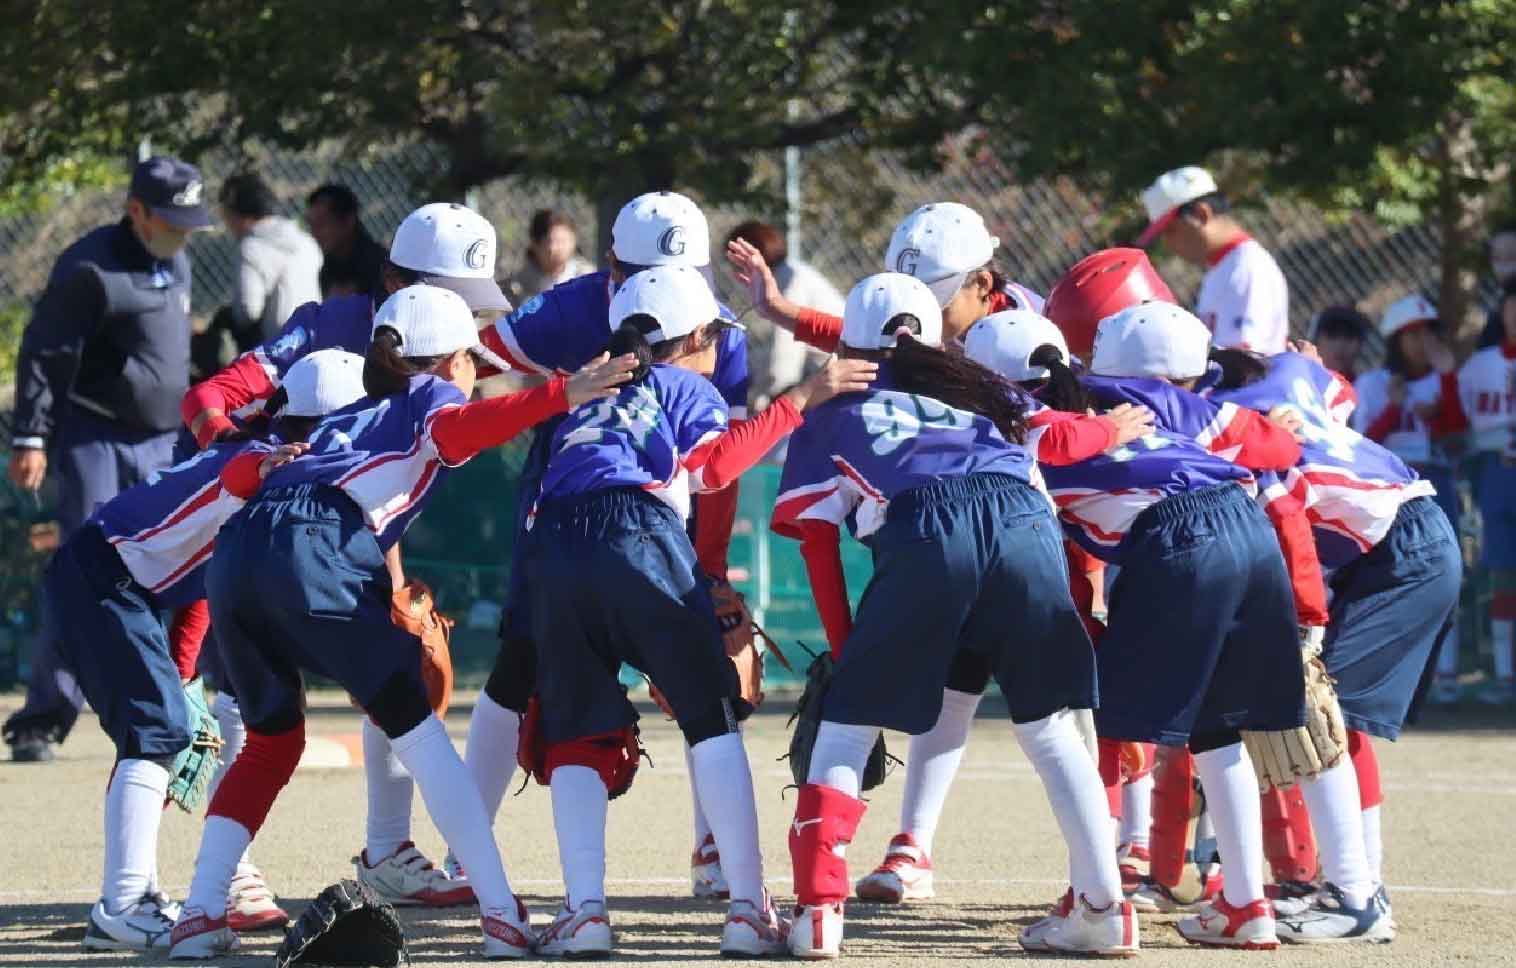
636 416
338 433
894 418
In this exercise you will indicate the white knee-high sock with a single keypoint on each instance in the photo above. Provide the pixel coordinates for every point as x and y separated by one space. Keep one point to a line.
726 788
1137 811
931 765
1077 796
1231 792
455 806
840 755
390 791
1331 798
1503 635
493 734
233 735
1373 843
579 809
223 843
133 811
702 825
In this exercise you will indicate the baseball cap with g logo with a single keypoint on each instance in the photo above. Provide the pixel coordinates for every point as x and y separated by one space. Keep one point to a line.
940 244
660 229
452 247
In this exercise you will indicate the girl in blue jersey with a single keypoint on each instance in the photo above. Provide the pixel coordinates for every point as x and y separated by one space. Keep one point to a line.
142 552
611 577
931 469
298 582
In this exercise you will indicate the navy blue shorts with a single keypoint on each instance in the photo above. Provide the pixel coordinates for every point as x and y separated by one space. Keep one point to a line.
1391 611
967 565
1201 635
109 634
611 578
298 583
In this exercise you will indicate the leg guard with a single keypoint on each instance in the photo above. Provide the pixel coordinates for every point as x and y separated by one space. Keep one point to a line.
1366 765
825 821
1176 807
1289 845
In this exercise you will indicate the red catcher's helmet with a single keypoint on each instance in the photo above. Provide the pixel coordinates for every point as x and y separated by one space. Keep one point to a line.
1100 284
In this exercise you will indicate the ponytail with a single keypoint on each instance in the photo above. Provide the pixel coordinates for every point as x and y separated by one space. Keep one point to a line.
631 337
960 383
385 371
1062 391
1238 367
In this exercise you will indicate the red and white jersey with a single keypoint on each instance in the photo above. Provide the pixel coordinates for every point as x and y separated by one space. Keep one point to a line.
1244 300
1410 438
1487 391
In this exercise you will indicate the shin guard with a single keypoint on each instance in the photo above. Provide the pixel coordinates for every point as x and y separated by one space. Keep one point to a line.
1289 845
825 821
1176 807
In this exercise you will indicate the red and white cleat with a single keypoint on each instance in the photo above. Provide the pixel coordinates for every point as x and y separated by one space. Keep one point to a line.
706 879
1220 925
578 933
1080 928
1135 864
198 937
753 932
905 875
1033 936
507 936
250 905
816 932
407 879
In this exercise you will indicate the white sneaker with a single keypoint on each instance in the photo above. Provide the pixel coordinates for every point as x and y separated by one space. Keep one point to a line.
583 933
1106 932
753 932
706 879
169 908
507 935
905 875
1290 898
197 937
142 927
816 932
1219 925
1033 937
1330 919
407 878
250 905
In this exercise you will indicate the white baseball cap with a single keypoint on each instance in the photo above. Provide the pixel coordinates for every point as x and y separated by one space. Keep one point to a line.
431 321
322 382
661 228
1152 339
1163 198
676 296
940 244
1405 311
452 246
877 300
1005 341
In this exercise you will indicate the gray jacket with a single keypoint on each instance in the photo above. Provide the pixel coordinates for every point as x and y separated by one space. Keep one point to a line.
278 269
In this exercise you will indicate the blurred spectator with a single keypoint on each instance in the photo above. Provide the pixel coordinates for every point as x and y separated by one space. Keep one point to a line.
777 360
354 261
552 257
1502 251
278 263
1339 332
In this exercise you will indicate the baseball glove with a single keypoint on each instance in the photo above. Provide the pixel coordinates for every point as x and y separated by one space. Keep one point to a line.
345 925
806 721
190 778
414 609
624 751
740 635
1281 757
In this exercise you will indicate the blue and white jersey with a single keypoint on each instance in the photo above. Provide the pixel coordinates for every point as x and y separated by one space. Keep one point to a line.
856 452
165 528
1351 487
560 330
342 322
381 455
650 435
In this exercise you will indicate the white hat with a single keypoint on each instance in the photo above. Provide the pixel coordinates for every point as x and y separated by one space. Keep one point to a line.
940 244
1405 311
1151 339
661 228
322 382
880 298
1172 189
1005 341
676 296
431 321
452 246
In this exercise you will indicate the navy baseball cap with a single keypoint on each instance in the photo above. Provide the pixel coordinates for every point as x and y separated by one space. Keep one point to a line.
172 190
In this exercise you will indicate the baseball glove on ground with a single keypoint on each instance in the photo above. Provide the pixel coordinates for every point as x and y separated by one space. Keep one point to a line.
190 779
345 925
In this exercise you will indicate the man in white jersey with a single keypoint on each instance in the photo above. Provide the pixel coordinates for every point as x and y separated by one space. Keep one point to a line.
1243 297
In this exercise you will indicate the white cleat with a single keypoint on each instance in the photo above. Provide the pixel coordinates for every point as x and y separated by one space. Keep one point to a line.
507 935
250 905
1108 932
754 932
816 932
198 937
1034 936
407 879
1331 920
1219 925
142 927
905 875
584 933
706 879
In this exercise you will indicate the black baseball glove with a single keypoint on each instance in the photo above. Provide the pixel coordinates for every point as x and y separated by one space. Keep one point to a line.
345 925
806 720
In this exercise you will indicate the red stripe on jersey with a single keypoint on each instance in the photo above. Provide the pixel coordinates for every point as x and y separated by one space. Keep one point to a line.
187 566
427 473
206 495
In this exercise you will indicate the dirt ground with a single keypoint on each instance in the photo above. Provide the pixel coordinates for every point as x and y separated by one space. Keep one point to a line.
1450 859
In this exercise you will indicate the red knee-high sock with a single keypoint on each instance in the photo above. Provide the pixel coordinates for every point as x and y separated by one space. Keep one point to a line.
1110 773
825 821
1366 765
256 776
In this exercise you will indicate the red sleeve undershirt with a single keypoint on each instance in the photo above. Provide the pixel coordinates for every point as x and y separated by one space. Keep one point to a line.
1072 437
821 330
186 633
240 476
1264 445
1384 424
233 388
715 515
1293 530
1450 417
1084 571
723 459
821 547
462 432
